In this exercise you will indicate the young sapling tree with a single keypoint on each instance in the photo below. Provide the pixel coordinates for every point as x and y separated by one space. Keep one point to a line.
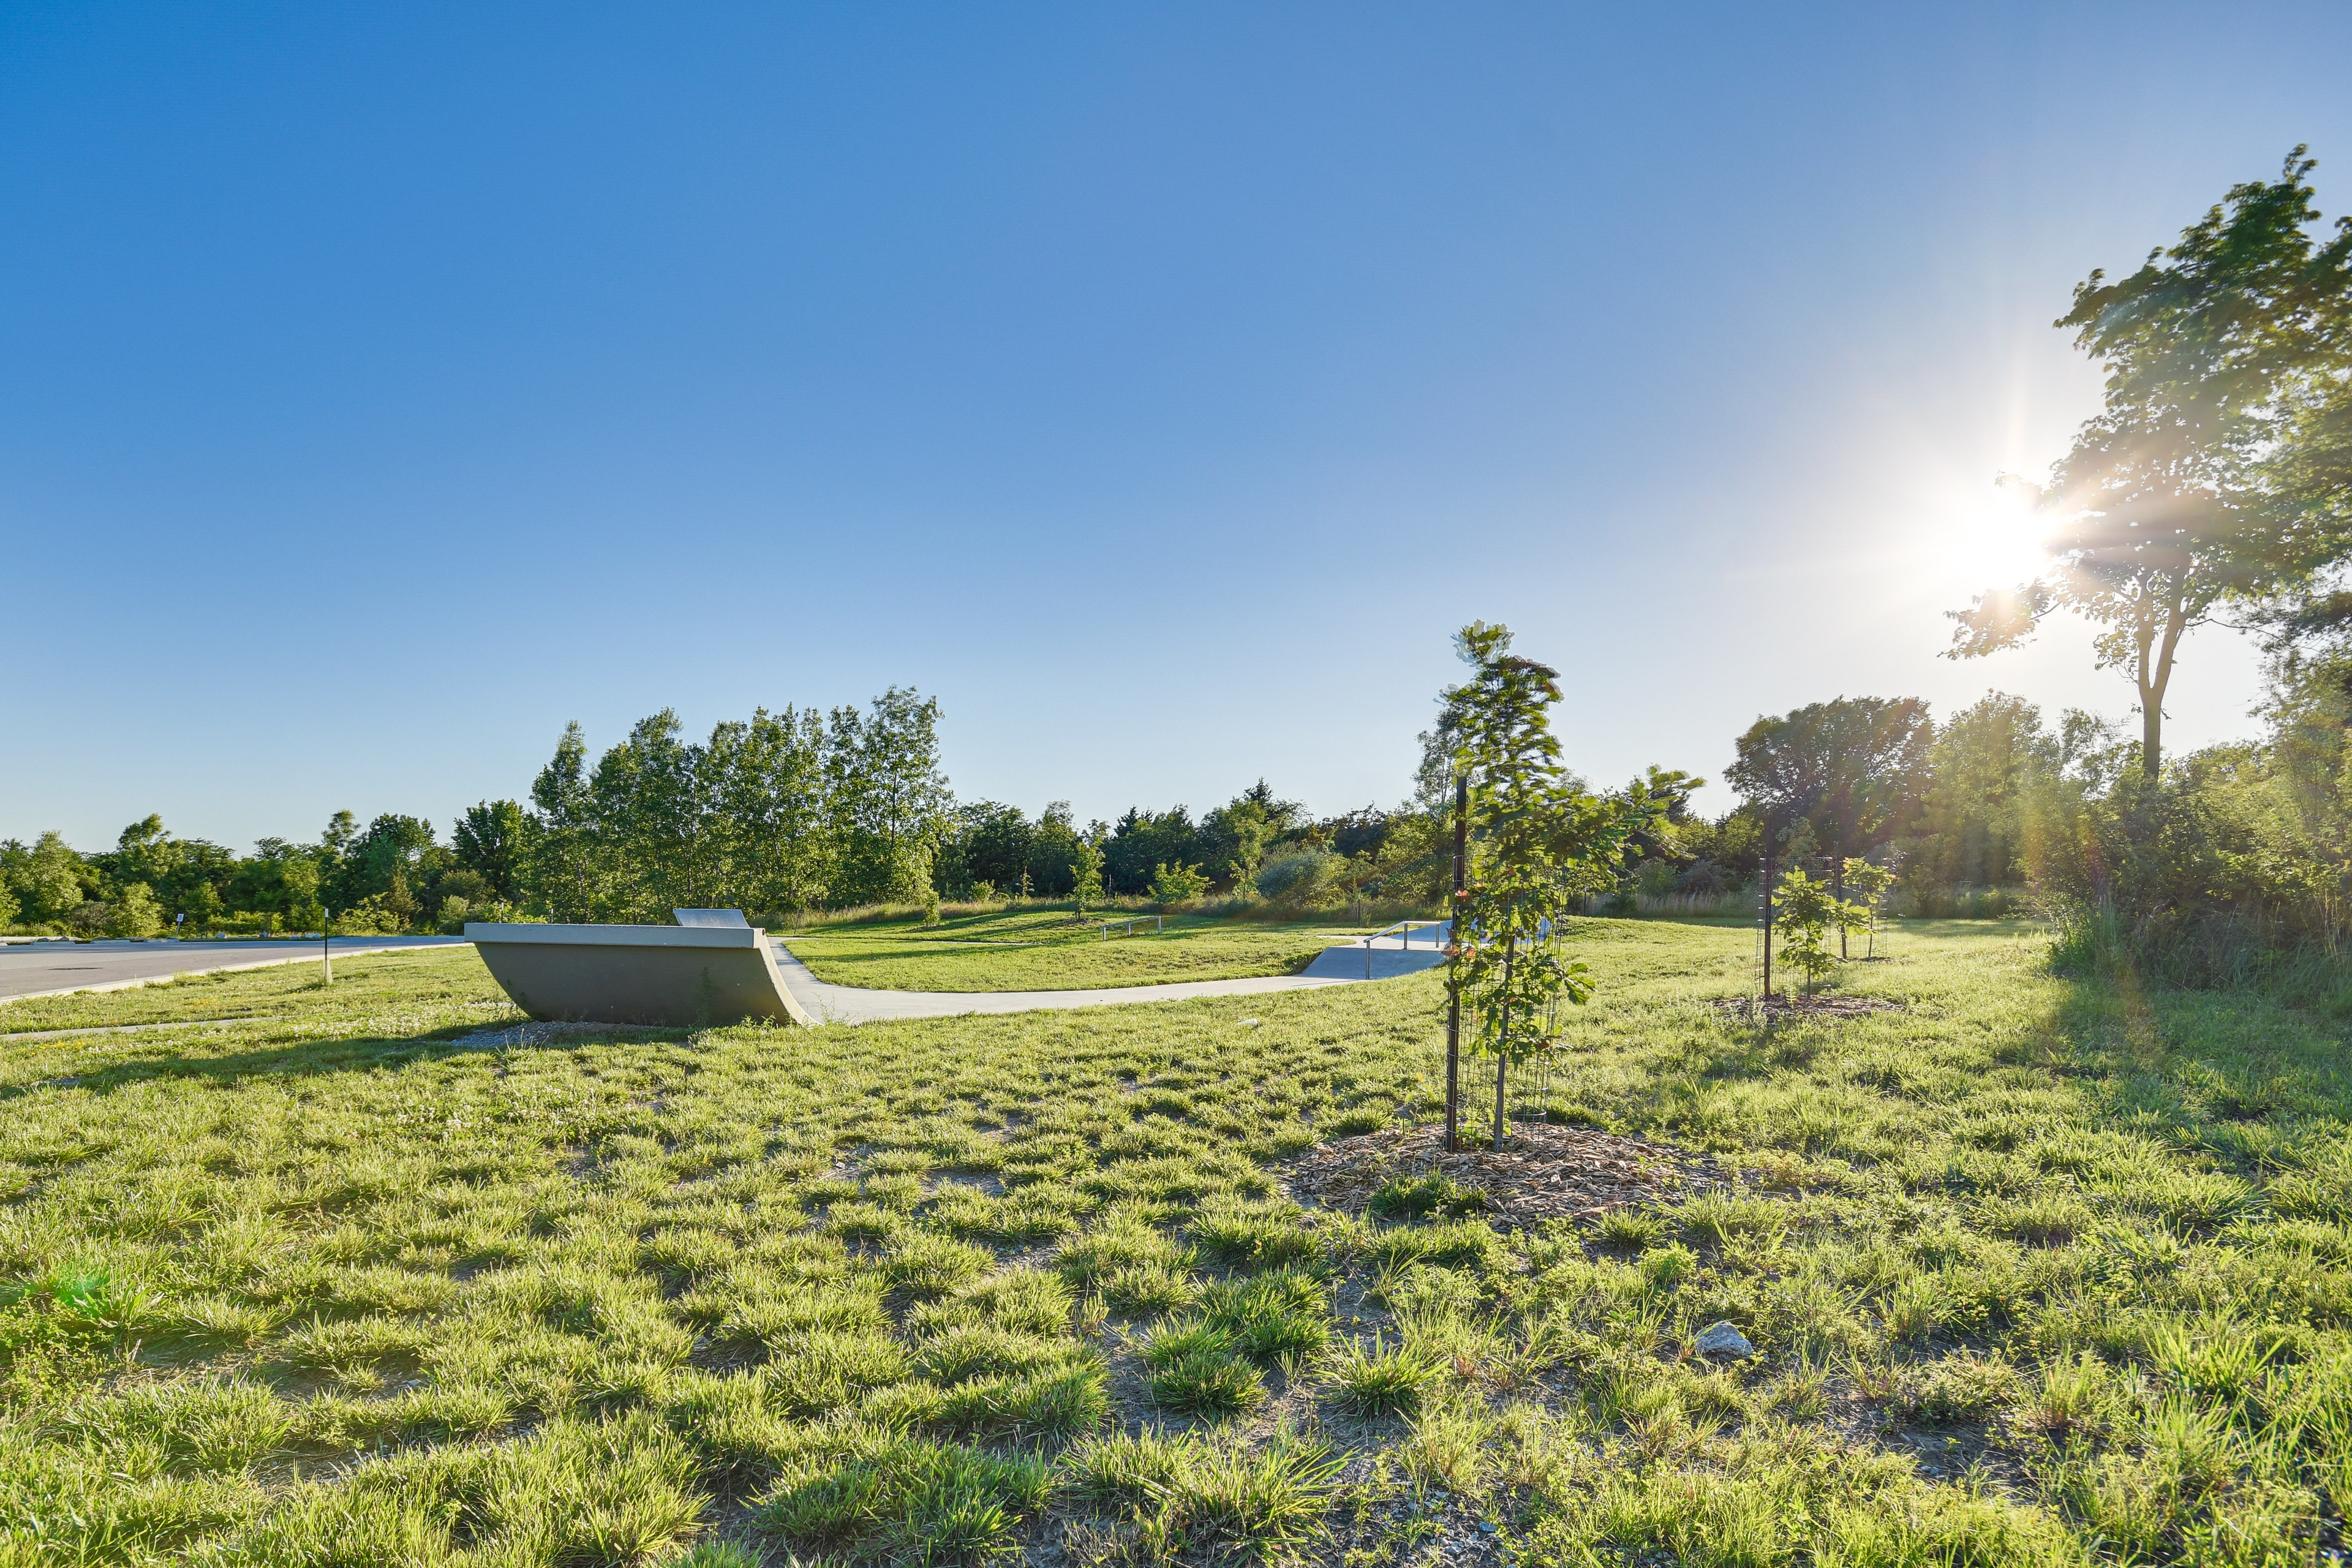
1177 884
1540 845
1868 883
1806 908
1085 870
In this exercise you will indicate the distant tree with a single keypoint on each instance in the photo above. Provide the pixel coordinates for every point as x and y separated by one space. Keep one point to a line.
1986 770
8 906
390 852
1867 886
1143 840
133 911
495 840
889 801
1361 835
652 819
2192 489
767 785
143 852
1238 833
1177 885
1843 774
49 881
992 839
1055 849
298 883
563 869
1670 789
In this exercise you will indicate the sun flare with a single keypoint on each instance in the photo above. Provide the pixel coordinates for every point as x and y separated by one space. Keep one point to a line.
1988 539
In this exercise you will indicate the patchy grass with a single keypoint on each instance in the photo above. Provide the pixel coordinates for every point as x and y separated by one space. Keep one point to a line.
2037 1271
1040 950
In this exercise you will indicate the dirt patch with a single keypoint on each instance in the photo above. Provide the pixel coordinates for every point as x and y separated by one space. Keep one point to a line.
1777 1007
1542 1172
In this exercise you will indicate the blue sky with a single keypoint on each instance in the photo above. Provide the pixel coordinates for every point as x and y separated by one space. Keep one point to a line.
381 387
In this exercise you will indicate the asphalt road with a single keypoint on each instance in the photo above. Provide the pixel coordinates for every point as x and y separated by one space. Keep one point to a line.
46 968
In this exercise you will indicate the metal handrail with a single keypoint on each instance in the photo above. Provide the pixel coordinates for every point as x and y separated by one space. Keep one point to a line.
1443 928
1158 925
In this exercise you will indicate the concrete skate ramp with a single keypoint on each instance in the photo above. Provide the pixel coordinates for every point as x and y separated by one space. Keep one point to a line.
1354 960
1407 947
682 977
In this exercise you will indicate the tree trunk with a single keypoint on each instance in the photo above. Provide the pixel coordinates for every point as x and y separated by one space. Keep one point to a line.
2154 673
1453 968
1837 891
1503 1044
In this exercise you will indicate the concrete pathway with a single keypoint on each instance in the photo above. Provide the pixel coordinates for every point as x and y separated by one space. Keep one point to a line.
830 1004
57 968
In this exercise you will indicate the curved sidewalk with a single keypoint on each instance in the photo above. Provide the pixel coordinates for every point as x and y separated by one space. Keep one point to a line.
830 1004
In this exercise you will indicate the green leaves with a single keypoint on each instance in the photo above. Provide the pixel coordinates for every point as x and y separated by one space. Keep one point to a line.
1541 842
2197 482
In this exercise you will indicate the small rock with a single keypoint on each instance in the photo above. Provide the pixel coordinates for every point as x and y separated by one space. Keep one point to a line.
1723 1340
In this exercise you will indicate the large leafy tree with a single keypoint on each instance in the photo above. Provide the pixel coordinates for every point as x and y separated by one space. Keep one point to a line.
652 815
2215 473
889 799
1978 820
766 781
992 842
383 862
1841 775
566 866
495 840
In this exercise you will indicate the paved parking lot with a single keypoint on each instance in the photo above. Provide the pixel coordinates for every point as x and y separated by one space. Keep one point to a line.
44 968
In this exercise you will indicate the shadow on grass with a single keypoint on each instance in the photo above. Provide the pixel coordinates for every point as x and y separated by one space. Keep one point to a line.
2223 1070
356 1053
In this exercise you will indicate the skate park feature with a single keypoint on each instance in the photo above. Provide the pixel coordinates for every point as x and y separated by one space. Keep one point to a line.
713 967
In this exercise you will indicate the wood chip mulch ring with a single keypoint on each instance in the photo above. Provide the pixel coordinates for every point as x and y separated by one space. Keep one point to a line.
1780 1005
1543 1173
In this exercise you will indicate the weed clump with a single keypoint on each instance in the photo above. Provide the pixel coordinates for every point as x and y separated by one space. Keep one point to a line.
1419 1197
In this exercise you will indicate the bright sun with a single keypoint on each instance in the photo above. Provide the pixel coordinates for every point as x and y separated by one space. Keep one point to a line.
1987 537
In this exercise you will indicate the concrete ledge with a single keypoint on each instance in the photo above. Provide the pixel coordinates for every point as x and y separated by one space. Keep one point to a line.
679 977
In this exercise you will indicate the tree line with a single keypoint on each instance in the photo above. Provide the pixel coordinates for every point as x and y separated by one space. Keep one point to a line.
778 814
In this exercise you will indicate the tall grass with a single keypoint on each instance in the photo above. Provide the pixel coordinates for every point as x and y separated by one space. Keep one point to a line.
2208 952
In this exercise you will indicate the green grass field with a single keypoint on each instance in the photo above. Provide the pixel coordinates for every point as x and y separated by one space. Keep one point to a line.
1040 950
2040 1272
